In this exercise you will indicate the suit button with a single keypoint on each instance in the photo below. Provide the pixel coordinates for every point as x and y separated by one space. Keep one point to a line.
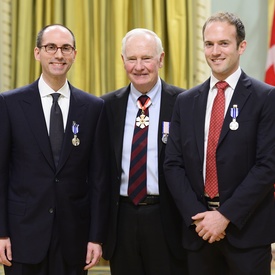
51 210
56 180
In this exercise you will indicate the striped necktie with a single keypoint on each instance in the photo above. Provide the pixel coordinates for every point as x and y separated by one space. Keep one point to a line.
137 190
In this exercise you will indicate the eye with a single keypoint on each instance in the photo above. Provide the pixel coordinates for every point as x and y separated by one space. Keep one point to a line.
66 48
208 44
224 43
51 47
131 59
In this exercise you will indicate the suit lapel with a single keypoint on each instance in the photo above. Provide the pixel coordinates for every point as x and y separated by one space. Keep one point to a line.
199 116
76 112
32 108
166 110
118 108
240 96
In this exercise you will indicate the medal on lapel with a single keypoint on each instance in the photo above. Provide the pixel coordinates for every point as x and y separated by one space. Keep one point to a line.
234 112
165 131
75 129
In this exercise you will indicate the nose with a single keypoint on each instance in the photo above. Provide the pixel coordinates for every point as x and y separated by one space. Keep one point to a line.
139 64
216 49
59 53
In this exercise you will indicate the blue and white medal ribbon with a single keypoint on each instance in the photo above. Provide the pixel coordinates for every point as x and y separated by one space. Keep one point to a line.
234 112
75 129
165 131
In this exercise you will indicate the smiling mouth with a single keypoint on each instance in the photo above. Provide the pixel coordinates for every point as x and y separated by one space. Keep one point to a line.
217 60
140 74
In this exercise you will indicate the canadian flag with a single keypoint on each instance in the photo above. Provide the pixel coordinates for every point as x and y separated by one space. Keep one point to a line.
270 64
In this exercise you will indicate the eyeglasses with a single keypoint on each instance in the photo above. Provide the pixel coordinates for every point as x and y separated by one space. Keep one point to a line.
52 49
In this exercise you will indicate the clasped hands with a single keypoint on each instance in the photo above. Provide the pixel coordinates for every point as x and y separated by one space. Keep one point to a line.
211 225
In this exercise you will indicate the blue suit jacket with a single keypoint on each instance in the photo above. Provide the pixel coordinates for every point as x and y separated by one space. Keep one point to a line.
245 163
116 104
34 194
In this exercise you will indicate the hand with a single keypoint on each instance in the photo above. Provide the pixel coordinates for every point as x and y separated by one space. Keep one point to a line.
5 251
94 253
211 225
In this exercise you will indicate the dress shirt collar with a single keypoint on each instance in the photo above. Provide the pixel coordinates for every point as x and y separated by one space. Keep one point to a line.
231 80
135 94
45 89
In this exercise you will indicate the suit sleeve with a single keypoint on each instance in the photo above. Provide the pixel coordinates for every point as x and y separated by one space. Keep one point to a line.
175 172
4 166
257 186
99 179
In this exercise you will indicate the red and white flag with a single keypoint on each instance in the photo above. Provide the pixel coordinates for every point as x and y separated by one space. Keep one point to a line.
270 64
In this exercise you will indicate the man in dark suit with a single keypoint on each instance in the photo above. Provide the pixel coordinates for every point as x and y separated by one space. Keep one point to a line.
231 231
53 207
144 235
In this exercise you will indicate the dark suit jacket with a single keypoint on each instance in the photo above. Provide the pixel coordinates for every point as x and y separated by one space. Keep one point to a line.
116 104
34 194
245 163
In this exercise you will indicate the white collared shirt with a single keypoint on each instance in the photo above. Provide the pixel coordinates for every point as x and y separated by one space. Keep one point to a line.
232 81
64 100
152 145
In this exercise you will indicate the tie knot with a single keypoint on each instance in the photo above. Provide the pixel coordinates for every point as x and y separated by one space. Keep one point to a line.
143 99
222 85
55 97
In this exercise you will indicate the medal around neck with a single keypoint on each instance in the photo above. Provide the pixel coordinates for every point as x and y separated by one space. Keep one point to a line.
234 112
75 129
142 121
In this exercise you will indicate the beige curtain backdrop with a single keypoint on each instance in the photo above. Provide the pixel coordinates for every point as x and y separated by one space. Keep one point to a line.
99 26
271 7
5 45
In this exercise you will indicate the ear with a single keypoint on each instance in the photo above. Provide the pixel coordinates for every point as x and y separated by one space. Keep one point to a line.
75 53
242 47
37 53
161 59
122 57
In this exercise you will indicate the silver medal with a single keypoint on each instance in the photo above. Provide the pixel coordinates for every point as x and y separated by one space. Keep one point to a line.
234 125
164 138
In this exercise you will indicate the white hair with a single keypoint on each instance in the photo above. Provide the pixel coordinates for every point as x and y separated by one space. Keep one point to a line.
140 31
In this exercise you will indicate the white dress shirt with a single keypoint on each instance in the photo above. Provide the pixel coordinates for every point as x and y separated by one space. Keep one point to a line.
64 100
232 81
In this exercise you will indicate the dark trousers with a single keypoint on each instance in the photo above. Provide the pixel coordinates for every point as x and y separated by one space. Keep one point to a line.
53 264
141 248
221 258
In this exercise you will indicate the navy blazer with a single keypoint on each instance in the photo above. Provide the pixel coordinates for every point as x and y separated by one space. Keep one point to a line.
245 163
116 104
33 193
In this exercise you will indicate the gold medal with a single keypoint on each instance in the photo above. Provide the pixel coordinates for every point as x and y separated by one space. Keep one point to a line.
75 129
75 141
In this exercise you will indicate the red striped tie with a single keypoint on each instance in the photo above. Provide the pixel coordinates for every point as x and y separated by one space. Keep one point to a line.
216 121
137 190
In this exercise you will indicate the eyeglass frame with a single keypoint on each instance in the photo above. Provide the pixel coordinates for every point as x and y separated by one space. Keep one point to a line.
45 46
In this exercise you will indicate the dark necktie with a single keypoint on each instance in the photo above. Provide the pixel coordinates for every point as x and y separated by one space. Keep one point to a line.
216 121
56 128
137 190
